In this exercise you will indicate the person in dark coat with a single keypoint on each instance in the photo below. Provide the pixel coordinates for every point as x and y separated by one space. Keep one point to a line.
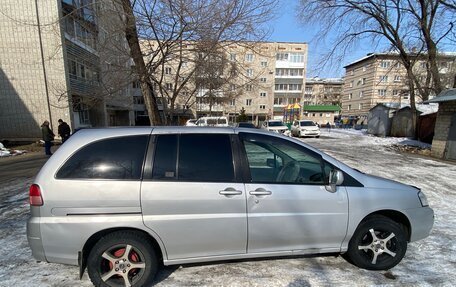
64 130
48 137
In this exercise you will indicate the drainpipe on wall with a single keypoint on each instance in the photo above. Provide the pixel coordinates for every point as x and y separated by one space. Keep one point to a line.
42 62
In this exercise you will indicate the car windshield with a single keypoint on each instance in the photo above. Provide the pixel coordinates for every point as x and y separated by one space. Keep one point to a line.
307 124
275 124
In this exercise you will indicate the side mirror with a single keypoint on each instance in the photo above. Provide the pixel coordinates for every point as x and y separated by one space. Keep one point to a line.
271 162
336 177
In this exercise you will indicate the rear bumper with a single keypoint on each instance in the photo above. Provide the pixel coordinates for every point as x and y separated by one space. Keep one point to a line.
34 238
421 221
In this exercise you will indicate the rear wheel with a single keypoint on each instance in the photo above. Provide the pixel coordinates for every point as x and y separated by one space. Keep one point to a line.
122 258
379 243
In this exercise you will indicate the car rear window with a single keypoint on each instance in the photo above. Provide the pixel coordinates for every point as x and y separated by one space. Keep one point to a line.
115 158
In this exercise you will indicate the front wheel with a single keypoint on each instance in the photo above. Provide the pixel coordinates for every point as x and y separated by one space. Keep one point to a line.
122 258
379 243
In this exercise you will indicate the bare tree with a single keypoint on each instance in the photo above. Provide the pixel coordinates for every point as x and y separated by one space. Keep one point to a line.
171 32
407 27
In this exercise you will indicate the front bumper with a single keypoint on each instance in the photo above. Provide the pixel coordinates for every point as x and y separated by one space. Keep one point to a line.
421 221
310 133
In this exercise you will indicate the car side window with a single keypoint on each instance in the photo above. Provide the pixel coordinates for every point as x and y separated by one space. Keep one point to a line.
205 157
116 158
275 160
193 157
165 157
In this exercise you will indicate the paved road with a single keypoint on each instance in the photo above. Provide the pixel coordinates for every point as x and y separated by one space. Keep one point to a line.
21 166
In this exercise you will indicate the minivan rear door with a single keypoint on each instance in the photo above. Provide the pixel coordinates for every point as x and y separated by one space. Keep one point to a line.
191 197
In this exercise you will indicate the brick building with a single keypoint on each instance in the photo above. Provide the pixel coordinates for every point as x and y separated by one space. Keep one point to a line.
444 142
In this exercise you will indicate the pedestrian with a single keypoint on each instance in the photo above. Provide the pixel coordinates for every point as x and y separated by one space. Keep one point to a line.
64 130
48 137
328 126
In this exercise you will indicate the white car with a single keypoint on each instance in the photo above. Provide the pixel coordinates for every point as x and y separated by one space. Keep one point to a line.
275 126
190 123
305 128
212 122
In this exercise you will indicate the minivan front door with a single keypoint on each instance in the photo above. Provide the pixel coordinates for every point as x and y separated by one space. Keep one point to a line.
192 200
288 207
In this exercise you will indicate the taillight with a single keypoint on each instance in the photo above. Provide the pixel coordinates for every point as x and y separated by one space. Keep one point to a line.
35 197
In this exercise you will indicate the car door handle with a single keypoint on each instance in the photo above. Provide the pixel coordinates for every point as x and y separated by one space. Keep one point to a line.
230 191
260 191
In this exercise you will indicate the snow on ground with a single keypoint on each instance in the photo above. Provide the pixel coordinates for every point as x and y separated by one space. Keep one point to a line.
429 262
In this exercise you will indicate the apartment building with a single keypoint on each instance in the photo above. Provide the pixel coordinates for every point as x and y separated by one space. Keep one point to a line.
261 78
381 78
323 91
51 67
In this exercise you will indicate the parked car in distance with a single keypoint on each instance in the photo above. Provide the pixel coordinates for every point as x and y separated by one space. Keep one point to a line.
245 125
212 122
274 125
305 128
191 123
122 201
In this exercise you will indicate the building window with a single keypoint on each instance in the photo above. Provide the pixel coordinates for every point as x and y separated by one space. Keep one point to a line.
72 69
282 56
383 79
364 68
361 94
397 78
136 85
350 95
328 115
138 100
278 101
262 107
168 71
248 102
264 64
169 86
232 87
351 84
262 95
382 92
360 106
385 64
352 72
296 58
349 107
295 87
363 81
232 57
281 87
395 92
248 88
249 73
263 80
232 102
249 57
308 90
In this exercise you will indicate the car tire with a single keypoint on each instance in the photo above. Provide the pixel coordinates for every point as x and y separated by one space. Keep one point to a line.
299 134
379 243
107 264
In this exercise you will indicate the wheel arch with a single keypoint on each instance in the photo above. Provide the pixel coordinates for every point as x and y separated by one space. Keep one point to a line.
92 240
394 215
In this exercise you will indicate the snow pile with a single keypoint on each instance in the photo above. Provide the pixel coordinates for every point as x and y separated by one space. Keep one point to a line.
4 152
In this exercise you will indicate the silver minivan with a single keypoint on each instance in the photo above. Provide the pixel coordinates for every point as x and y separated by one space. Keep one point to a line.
121 201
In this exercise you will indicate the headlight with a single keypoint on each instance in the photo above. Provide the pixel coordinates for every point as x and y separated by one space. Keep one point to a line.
423 199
